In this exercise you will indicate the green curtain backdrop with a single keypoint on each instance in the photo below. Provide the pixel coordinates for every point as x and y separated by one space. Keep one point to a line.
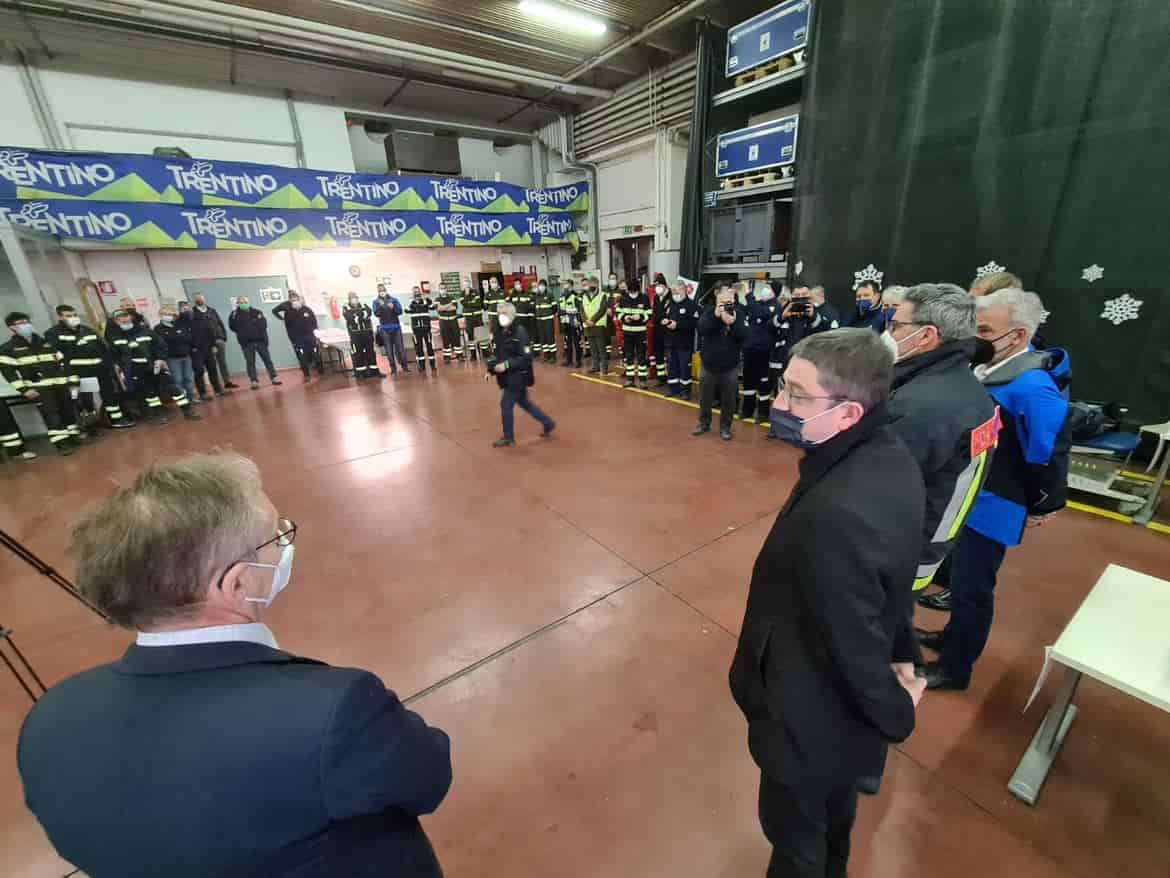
940 135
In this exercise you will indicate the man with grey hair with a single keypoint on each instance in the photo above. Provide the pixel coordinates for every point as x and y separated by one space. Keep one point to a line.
1026 481
207 750
512 367
940 410
816 672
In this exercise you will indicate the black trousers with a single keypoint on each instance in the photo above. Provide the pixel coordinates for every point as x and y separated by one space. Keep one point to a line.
678 368
203 362
452 342
361 354
308 354
11 439
59 412
571 336
424 347
251 349
111 394
152 390
809 829
546 338
975 562
599 350
518 396
721 387
658 357
634 355
757 384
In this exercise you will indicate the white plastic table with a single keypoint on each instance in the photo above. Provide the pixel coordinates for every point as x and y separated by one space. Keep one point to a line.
336 340
1119 637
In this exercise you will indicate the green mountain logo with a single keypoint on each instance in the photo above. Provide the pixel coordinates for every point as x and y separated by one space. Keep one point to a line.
416 237
26 193
129 188
287 197
407 199
580 204
503 204
151 236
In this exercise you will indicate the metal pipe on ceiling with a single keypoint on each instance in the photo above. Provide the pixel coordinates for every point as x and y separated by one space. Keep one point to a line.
227 16
667 18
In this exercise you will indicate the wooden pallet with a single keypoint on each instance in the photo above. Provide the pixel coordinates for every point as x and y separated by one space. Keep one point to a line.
741 180
772 67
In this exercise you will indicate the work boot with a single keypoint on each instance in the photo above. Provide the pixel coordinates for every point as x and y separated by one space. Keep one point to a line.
700 430
207 397
190 414
28 455
725 435
255 385
629 382
503 442
65 448
231 385
276 380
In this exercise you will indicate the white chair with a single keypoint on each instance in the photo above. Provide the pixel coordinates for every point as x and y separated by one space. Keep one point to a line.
1162 431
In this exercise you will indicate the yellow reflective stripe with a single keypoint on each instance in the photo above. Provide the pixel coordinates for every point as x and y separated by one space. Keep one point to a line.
86 361
67 338
920 584
7 361
87 339
972 493
633 328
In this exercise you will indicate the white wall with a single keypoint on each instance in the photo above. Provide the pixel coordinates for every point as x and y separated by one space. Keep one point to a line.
122 113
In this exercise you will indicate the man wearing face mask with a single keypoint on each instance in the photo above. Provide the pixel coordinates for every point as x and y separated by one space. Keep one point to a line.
512 367
243 758
546 327
1026 483
633 313
758 386
492 297
447 307
38 372
823 670
869 313
595 320
88 357
472 308
525 302
176 335
657 342
126 304
420 309
389 312
570 317
140 358
209 349
251 329
678 322
301 323
723 329
359 323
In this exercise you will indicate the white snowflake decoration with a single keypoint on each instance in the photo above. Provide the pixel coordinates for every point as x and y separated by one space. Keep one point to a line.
869 273
992 267
800 266
1092 273
1124 307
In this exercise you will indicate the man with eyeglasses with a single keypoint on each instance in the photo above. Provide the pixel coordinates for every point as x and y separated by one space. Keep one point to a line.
940 410
821 669
206 749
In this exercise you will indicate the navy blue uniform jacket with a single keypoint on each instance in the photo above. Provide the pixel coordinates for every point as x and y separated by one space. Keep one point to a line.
232 759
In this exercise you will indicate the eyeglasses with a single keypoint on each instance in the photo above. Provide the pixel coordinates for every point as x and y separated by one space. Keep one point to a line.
286 533
898 324
789 397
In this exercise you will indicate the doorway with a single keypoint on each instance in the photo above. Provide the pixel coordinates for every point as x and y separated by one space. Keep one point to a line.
264 293
629 259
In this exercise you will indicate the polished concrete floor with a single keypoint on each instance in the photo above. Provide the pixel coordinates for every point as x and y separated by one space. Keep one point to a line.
567 610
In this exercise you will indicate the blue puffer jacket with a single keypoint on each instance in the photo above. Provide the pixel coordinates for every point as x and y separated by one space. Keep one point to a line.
1029 473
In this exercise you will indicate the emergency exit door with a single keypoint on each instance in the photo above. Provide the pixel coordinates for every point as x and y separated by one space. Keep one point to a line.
264 293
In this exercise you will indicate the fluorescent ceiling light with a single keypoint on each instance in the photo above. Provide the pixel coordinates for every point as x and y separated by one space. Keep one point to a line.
564 17
475 77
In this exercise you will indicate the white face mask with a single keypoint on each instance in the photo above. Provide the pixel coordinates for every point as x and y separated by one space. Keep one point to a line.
611 283
765 295
895 346
505 319
167 319
73 321
660 290
281 571
201 307
542 288
677 297
891 344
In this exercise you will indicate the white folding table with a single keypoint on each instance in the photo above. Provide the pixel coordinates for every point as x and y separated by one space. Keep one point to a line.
1120 637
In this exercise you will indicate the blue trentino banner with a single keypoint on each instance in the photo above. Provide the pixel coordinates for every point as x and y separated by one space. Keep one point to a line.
768 36
167 226
768 145
36 175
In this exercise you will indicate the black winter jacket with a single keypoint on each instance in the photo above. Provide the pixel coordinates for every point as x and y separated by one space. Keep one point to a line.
298 322
177 337
722 343
512 347
249 326
828 610
686 314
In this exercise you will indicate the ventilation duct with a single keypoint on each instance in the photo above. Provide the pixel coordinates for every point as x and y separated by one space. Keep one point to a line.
414 152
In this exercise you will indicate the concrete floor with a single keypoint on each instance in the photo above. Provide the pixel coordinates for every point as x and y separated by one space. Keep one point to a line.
567 611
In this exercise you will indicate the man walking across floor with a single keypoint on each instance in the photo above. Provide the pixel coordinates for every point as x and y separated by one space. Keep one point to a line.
723 329
512 366
634 314
420 309
389 312
88 357
251 329
823 670
301 323
1027 481
359 324
679 321
38 372
595 320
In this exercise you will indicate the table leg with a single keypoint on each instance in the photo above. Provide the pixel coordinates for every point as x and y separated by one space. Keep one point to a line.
1032 771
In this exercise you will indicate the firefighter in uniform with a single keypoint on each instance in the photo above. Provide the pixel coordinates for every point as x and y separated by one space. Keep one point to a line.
88 357
420 309
758 387
679 320
448 307
473 320
595 319
633 313
546 323
525 302
658 333
37 371
570 314
793 321
11 439
491 301
141 356
359 322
